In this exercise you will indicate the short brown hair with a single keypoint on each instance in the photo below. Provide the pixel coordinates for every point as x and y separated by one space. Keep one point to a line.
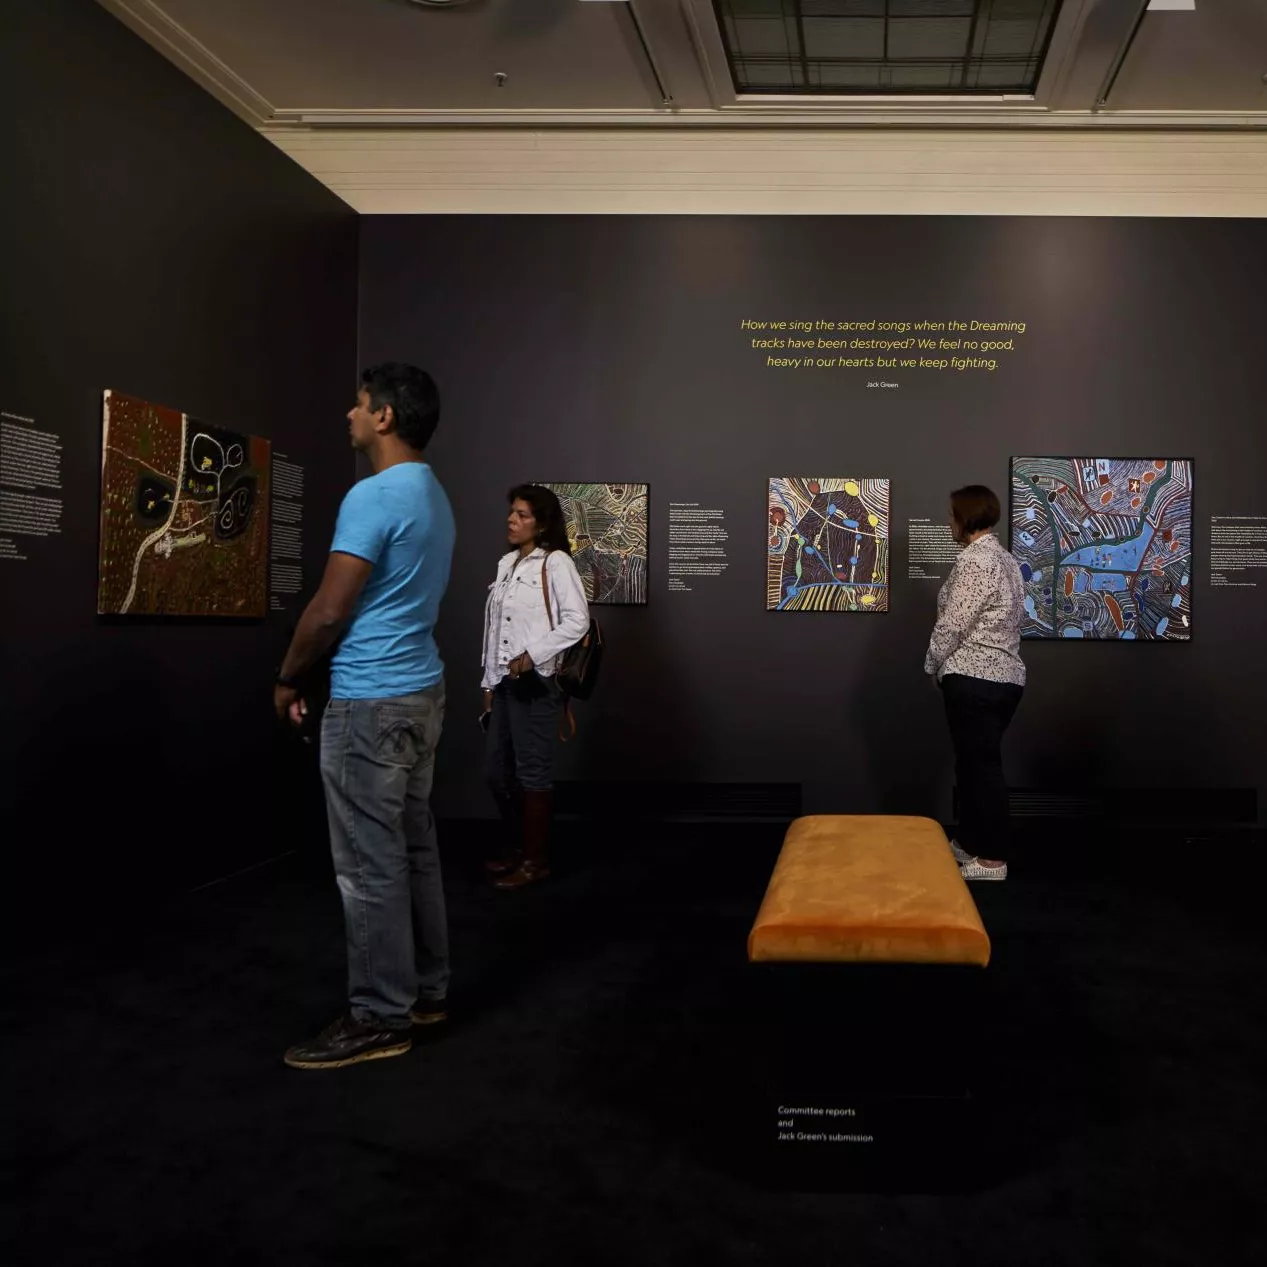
975 508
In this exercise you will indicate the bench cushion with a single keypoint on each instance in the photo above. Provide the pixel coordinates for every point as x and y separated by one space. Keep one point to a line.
867 889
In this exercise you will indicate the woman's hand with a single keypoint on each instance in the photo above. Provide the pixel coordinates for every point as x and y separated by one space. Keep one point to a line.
520 665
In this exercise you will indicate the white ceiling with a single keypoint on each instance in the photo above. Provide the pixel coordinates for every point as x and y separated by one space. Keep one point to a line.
1212 59
356 90
294 59
333 55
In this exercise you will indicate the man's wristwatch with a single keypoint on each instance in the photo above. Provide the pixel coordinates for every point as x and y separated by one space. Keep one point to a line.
287 682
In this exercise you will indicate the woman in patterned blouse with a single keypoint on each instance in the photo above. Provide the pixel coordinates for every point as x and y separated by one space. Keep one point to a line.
974 654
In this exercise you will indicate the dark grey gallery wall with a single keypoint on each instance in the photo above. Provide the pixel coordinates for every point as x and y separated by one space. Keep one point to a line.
151 243
611 349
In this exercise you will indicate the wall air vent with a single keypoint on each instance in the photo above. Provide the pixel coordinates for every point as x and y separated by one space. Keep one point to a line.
1173 806
886 47
679 802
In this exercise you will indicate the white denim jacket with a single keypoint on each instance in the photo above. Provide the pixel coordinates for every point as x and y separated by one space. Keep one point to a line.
515 618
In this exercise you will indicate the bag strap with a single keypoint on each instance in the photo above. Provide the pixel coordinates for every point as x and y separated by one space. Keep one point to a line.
545 588
566 717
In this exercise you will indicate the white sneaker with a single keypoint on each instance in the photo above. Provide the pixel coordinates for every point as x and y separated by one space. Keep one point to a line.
973 870
961 854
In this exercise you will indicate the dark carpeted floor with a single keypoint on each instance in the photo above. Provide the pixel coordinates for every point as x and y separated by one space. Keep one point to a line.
582 1105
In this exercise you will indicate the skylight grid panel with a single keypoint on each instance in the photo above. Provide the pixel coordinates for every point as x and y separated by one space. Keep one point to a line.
899 46
931 37
755 37
847 77
931 8
933 78
783 75
844 37
758 8
842 8
1010 40
1004 76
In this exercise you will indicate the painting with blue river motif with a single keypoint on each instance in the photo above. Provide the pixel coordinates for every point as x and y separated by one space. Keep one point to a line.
1105 547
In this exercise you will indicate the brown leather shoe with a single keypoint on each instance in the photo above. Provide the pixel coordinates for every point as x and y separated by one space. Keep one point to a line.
525 873
536 806
500 866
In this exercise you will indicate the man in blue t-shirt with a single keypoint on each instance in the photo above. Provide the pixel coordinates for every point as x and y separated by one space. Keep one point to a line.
387 571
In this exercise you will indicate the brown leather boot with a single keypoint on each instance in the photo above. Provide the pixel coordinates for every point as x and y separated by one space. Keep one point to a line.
537 808
508 857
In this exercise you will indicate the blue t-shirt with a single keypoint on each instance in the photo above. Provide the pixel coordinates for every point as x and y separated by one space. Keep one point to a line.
400 521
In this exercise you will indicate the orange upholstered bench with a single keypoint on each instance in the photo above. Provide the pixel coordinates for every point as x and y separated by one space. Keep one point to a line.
879 889
866 973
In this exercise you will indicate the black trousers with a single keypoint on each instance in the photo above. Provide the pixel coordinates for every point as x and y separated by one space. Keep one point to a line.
978 713
523 733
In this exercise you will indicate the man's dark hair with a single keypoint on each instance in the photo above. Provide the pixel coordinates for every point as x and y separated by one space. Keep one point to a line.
975 508
411 393
552 529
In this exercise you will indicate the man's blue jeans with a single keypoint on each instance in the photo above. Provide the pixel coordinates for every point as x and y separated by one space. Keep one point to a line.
377 761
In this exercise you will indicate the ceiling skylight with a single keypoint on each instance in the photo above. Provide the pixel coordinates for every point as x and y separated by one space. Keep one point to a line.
888 47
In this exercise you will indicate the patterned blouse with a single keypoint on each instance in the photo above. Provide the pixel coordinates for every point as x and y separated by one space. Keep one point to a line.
978 630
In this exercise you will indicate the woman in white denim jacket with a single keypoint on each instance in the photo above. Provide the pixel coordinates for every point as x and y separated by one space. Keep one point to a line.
536 610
